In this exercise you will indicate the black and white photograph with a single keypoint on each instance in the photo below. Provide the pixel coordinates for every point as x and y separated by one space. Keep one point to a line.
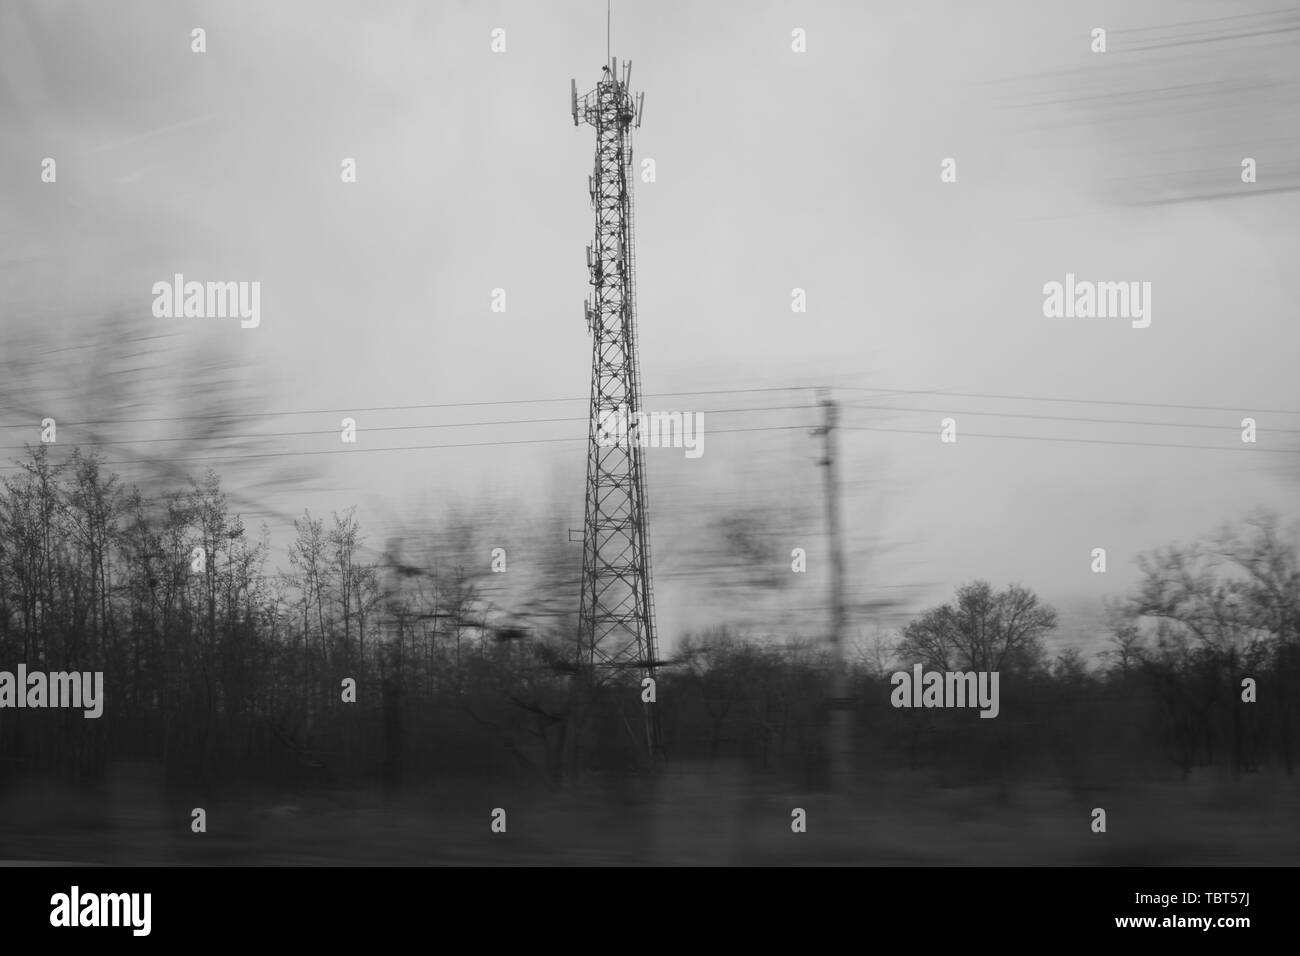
639 434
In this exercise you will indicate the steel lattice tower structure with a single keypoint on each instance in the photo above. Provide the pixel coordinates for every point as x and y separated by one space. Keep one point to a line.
616 630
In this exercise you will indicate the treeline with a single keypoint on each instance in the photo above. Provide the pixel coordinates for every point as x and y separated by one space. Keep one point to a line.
1201 669
227 670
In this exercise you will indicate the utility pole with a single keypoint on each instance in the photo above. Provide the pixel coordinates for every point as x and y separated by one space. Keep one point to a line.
838 740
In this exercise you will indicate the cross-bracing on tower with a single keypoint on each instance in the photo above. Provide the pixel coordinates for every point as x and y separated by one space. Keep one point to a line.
616 633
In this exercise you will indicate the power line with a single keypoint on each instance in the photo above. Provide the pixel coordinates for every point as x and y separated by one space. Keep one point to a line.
724 431
1212 38
1086 441
1203 22
221 416
723 391
1058 418
357 451
387 428
1077 401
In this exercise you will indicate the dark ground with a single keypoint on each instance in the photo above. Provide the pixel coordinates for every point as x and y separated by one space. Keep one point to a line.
688 816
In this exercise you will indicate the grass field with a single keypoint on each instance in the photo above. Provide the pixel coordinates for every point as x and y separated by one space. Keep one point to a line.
687 816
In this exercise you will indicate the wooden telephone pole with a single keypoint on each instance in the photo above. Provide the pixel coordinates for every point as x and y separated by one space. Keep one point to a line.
839 729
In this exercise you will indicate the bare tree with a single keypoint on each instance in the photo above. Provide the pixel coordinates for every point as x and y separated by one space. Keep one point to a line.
982 630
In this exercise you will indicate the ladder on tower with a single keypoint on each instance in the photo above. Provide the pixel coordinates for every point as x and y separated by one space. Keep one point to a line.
629 253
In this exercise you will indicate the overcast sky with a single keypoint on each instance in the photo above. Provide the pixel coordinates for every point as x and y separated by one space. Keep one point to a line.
774 170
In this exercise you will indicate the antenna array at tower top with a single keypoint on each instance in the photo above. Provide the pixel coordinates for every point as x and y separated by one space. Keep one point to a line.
630 106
